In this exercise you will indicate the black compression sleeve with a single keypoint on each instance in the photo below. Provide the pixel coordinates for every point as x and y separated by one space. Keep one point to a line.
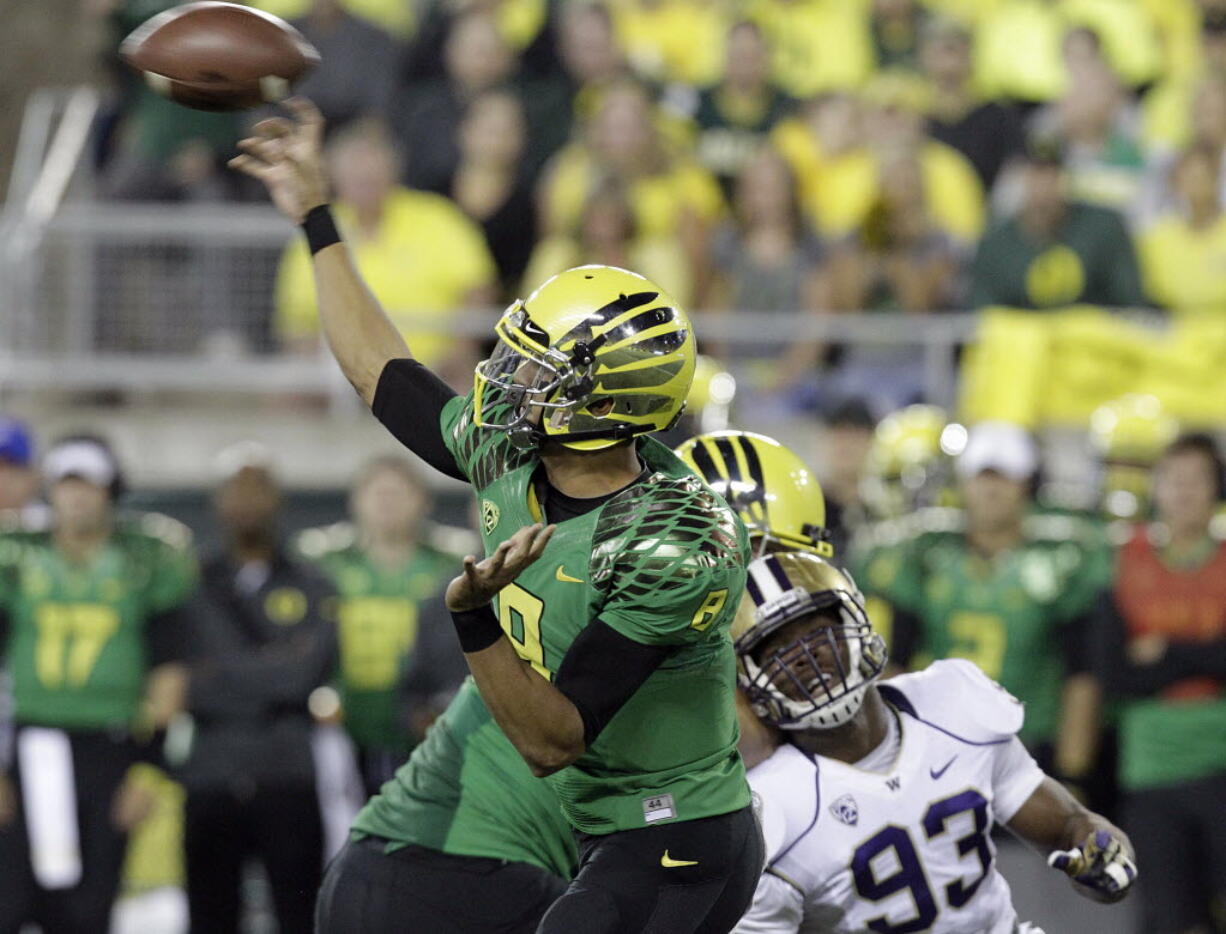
601 670
409 401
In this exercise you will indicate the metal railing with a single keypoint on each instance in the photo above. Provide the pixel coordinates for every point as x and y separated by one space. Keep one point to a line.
119 296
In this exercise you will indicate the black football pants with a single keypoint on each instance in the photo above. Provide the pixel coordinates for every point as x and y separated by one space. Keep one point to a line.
280 826
100 760
691 877
1179 832
419 891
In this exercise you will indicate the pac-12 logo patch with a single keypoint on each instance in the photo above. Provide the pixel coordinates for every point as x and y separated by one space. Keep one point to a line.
489 516
846 810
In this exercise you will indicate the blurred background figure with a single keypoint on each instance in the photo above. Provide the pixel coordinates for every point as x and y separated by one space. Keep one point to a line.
94 637
427 115
388 577
1161 650
356 75
987 132
908 465
1129 435
766 258
608 232
669 193
423 258
263 641
494 184
844 450
734 117
1184 252
18 476
1056 250
967 583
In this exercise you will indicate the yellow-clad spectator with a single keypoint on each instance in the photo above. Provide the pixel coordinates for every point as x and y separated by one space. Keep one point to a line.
672 40
1183 256
819 45
670 195
1169 110
839 184
1021 45
895 26
1207 129
395 16
608 234
424 260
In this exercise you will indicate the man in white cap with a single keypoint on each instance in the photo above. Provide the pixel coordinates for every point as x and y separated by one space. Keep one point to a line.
91 631
1009 589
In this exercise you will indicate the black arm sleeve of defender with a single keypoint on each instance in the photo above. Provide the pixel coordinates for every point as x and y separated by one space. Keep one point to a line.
601 671
409 401
167 634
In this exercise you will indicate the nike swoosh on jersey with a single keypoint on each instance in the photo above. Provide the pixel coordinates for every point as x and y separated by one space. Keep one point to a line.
563 576
937 773
668 863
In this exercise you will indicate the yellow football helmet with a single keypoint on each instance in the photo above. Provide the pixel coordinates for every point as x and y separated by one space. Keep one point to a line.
1129 435
593 357
773 491
909 464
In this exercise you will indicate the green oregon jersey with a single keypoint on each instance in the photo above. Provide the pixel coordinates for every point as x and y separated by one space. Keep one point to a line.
467 791
663 562
76 646
377 628
1006 615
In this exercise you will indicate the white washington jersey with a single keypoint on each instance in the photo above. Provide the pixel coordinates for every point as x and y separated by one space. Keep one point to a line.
907 848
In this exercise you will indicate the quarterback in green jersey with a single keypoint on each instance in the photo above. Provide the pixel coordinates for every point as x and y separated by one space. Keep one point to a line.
92 635
599 642
386 572
1011 592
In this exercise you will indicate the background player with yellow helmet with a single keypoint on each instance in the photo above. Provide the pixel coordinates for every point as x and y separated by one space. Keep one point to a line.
620 606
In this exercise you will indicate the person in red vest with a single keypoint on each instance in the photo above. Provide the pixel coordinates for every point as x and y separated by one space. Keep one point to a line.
1161 650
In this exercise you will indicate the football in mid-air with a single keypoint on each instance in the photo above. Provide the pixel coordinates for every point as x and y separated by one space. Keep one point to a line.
219 56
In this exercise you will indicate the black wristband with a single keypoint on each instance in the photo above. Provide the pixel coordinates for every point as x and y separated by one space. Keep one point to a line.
320 228
478 629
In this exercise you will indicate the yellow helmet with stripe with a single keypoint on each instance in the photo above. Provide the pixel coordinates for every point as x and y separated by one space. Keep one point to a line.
593 357
1129 434
909 462
770 487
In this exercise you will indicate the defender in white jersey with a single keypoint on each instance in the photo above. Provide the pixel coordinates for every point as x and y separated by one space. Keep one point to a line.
879 803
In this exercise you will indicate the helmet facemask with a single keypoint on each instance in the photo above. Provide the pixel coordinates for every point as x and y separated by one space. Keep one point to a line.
525 384
817 680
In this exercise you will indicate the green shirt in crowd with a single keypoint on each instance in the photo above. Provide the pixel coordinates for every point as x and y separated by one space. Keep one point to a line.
1018 616
82 637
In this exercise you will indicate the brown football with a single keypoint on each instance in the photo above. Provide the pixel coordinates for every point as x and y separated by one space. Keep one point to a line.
219 56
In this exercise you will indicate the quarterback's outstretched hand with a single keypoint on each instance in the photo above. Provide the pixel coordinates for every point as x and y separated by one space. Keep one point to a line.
482 580
1101 864
287 156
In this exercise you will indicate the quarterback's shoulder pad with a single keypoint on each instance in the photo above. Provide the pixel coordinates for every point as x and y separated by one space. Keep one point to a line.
666 530
954 696
668 559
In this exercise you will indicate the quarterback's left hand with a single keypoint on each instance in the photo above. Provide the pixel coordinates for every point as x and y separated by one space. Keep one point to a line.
1101 864
482 580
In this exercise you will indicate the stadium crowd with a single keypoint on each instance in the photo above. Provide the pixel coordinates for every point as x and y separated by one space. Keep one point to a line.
759 156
